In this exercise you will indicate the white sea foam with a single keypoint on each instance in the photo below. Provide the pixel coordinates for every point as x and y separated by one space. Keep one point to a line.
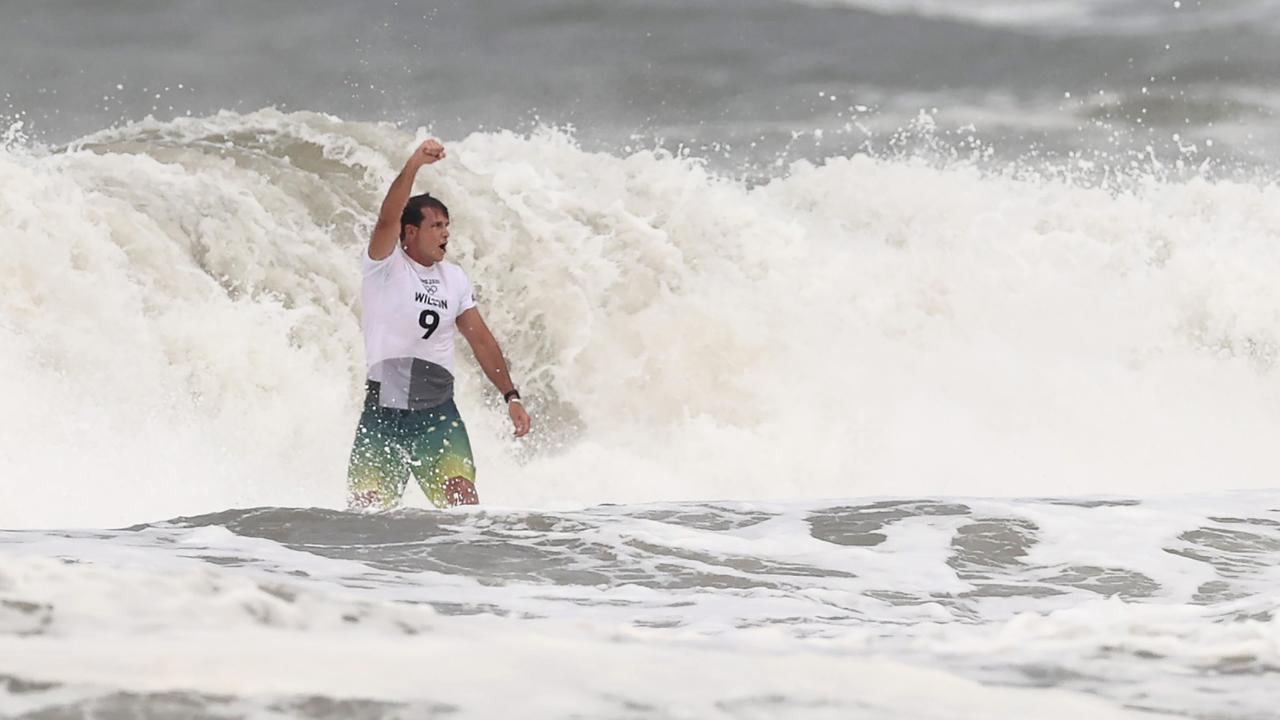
770 619
546 670
180 333
1094 17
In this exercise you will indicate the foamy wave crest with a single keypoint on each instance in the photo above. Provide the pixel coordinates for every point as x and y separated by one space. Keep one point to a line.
180 323
1094 17
60 654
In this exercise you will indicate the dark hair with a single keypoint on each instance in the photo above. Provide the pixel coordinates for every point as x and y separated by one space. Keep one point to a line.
412 214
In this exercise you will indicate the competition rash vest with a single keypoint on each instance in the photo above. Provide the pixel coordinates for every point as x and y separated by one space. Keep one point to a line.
409 316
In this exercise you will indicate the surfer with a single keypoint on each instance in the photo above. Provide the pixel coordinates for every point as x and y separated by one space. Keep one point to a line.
412 302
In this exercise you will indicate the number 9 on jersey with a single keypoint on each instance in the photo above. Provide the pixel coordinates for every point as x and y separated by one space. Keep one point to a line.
429 320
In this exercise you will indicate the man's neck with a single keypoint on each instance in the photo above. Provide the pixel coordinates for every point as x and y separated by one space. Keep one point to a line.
417 261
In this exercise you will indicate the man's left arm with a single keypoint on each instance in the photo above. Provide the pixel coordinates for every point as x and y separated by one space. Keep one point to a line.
489 355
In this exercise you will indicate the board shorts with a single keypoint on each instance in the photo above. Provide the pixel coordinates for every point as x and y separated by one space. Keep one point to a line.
392 444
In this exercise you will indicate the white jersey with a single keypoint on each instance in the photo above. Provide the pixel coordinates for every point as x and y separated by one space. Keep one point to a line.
409 315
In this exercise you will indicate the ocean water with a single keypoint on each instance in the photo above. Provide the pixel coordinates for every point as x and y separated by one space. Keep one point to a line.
888 359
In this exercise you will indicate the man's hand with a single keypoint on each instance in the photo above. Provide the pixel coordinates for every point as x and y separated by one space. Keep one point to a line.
519 418
428 152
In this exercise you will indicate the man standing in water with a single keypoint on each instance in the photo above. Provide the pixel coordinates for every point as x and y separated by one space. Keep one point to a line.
413 300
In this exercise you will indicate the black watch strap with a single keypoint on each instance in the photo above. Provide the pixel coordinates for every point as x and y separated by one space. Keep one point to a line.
511 395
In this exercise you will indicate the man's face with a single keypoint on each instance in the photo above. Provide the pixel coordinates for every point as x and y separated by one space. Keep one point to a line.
426 242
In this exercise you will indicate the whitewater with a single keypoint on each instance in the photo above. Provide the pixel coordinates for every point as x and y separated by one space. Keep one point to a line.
181 326
887 436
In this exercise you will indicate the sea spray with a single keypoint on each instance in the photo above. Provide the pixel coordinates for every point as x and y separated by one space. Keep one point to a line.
182 303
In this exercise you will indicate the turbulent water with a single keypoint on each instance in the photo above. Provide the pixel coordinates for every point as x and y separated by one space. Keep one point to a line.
888 359
898 608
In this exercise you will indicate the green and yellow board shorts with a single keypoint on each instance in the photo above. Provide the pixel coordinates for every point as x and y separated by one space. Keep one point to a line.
392 444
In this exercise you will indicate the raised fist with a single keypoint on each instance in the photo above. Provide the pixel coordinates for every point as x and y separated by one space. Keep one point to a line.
429 151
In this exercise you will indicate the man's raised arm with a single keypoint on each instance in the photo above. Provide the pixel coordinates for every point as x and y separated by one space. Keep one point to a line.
386 233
